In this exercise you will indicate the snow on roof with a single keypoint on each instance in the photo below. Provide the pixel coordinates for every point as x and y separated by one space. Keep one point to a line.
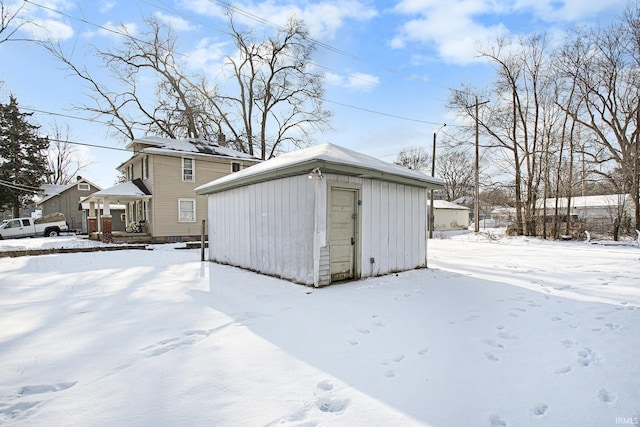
192 145
125 189
51 190
605 200
443 204
327 157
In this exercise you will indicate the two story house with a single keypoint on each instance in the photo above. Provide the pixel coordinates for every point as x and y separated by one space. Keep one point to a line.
161 175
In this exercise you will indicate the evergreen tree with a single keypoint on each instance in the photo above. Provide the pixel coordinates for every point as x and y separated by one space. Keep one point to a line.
23 157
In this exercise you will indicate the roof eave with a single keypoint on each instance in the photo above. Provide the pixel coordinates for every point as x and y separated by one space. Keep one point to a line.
326 167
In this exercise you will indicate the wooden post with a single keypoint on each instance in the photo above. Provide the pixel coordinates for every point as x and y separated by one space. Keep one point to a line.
202 241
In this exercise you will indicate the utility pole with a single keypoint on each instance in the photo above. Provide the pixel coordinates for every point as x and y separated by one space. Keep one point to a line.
433 174
476 197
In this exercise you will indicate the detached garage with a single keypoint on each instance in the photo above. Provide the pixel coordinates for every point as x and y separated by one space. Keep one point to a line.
320 215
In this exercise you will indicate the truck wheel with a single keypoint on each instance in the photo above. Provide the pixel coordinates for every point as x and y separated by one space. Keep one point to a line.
52 233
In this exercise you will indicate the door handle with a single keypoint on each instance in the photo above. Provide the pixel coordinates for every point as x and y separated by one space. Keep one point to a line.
353 242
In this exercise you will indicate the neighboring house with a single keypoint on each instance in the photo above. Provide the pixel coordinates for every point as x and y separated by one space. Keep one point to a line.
320 215
449 216
161 177
66 199
597 213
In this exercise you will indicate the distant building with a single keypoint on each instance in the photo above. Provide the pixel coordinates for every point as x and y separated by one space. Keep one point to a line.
449 216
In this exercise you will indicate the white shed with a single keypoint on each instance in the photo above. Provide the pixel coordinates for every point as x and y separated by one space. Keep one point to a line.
320 215
449 216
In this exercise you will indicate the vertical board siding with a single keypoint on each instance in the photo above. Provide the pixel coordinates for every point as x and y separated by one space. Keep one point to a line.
393 225
267 227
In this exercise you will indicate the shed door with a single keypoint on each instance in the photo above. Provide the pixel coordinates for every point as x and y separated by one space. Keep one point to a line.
342 233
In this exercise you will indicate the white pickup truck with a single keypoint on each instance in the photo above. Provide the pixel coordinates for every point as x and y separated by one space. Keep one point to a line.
48 226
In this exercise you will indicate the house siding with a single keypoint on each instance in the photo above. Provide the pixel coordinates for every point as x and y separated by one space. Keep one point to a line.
68 203
166 184
167 187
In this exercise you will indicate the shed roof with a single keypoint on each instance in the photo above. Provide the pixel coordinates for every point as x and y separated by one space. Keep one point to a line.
329 158
443 204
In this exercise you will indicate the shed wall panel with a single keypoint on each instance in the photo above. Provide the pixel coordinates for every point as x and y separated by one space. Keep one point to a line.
267 227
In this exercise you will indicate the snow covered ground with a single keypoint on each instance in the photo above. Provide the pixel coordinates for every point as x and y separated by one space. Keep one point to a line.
508 332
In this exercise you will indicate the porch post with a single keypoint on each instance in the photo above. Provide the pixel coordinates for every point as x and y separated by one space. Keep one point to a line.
92 220
106 222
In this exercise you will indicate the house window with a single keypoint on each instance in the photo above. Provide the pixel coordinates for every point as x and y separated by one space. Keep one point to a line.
187 169
186 210
145 167
83 186
130 172
235 166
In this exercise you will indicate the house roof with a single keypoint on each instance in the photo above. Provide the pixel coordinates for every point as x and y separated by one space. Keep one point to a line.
329 158
157 144
52 190
121 192
602 201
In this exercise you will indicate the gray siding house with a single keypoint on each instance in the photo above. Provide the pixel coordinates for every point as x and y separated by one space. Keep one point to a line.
66 199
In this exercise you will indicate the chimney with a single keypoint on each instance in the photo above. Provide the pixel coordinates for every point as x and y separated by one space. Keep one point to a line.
222 140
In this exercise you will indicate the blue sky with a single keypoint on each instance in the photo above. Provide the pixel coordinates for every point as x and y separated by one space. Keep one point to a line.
393 58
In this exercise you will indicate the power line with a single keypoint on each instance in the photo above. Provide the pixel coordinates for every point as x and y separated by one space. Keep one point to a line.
17 186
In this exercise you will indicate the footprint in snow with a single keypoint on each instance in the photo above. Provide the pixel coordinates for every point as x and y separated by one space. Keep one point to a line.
39 389
539 409
491 357
353 342
389 374
496 421
568 343
492 343
586 357
399 358
423 351
363 331
326 404
563 370
605 396
508 336
325 385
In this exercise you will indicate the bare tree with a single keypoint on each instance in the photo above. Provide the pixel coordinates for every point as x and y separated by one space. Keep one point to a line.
414 158
456 169
10 20
279 97
63 160
604 63
276 97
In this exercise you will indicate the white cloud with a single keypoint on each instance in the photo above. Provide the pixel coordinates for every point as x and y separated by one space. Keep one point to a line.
109 29
323 18
48 29
106 6
362 82
208 56
175 22
357 82
456 28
